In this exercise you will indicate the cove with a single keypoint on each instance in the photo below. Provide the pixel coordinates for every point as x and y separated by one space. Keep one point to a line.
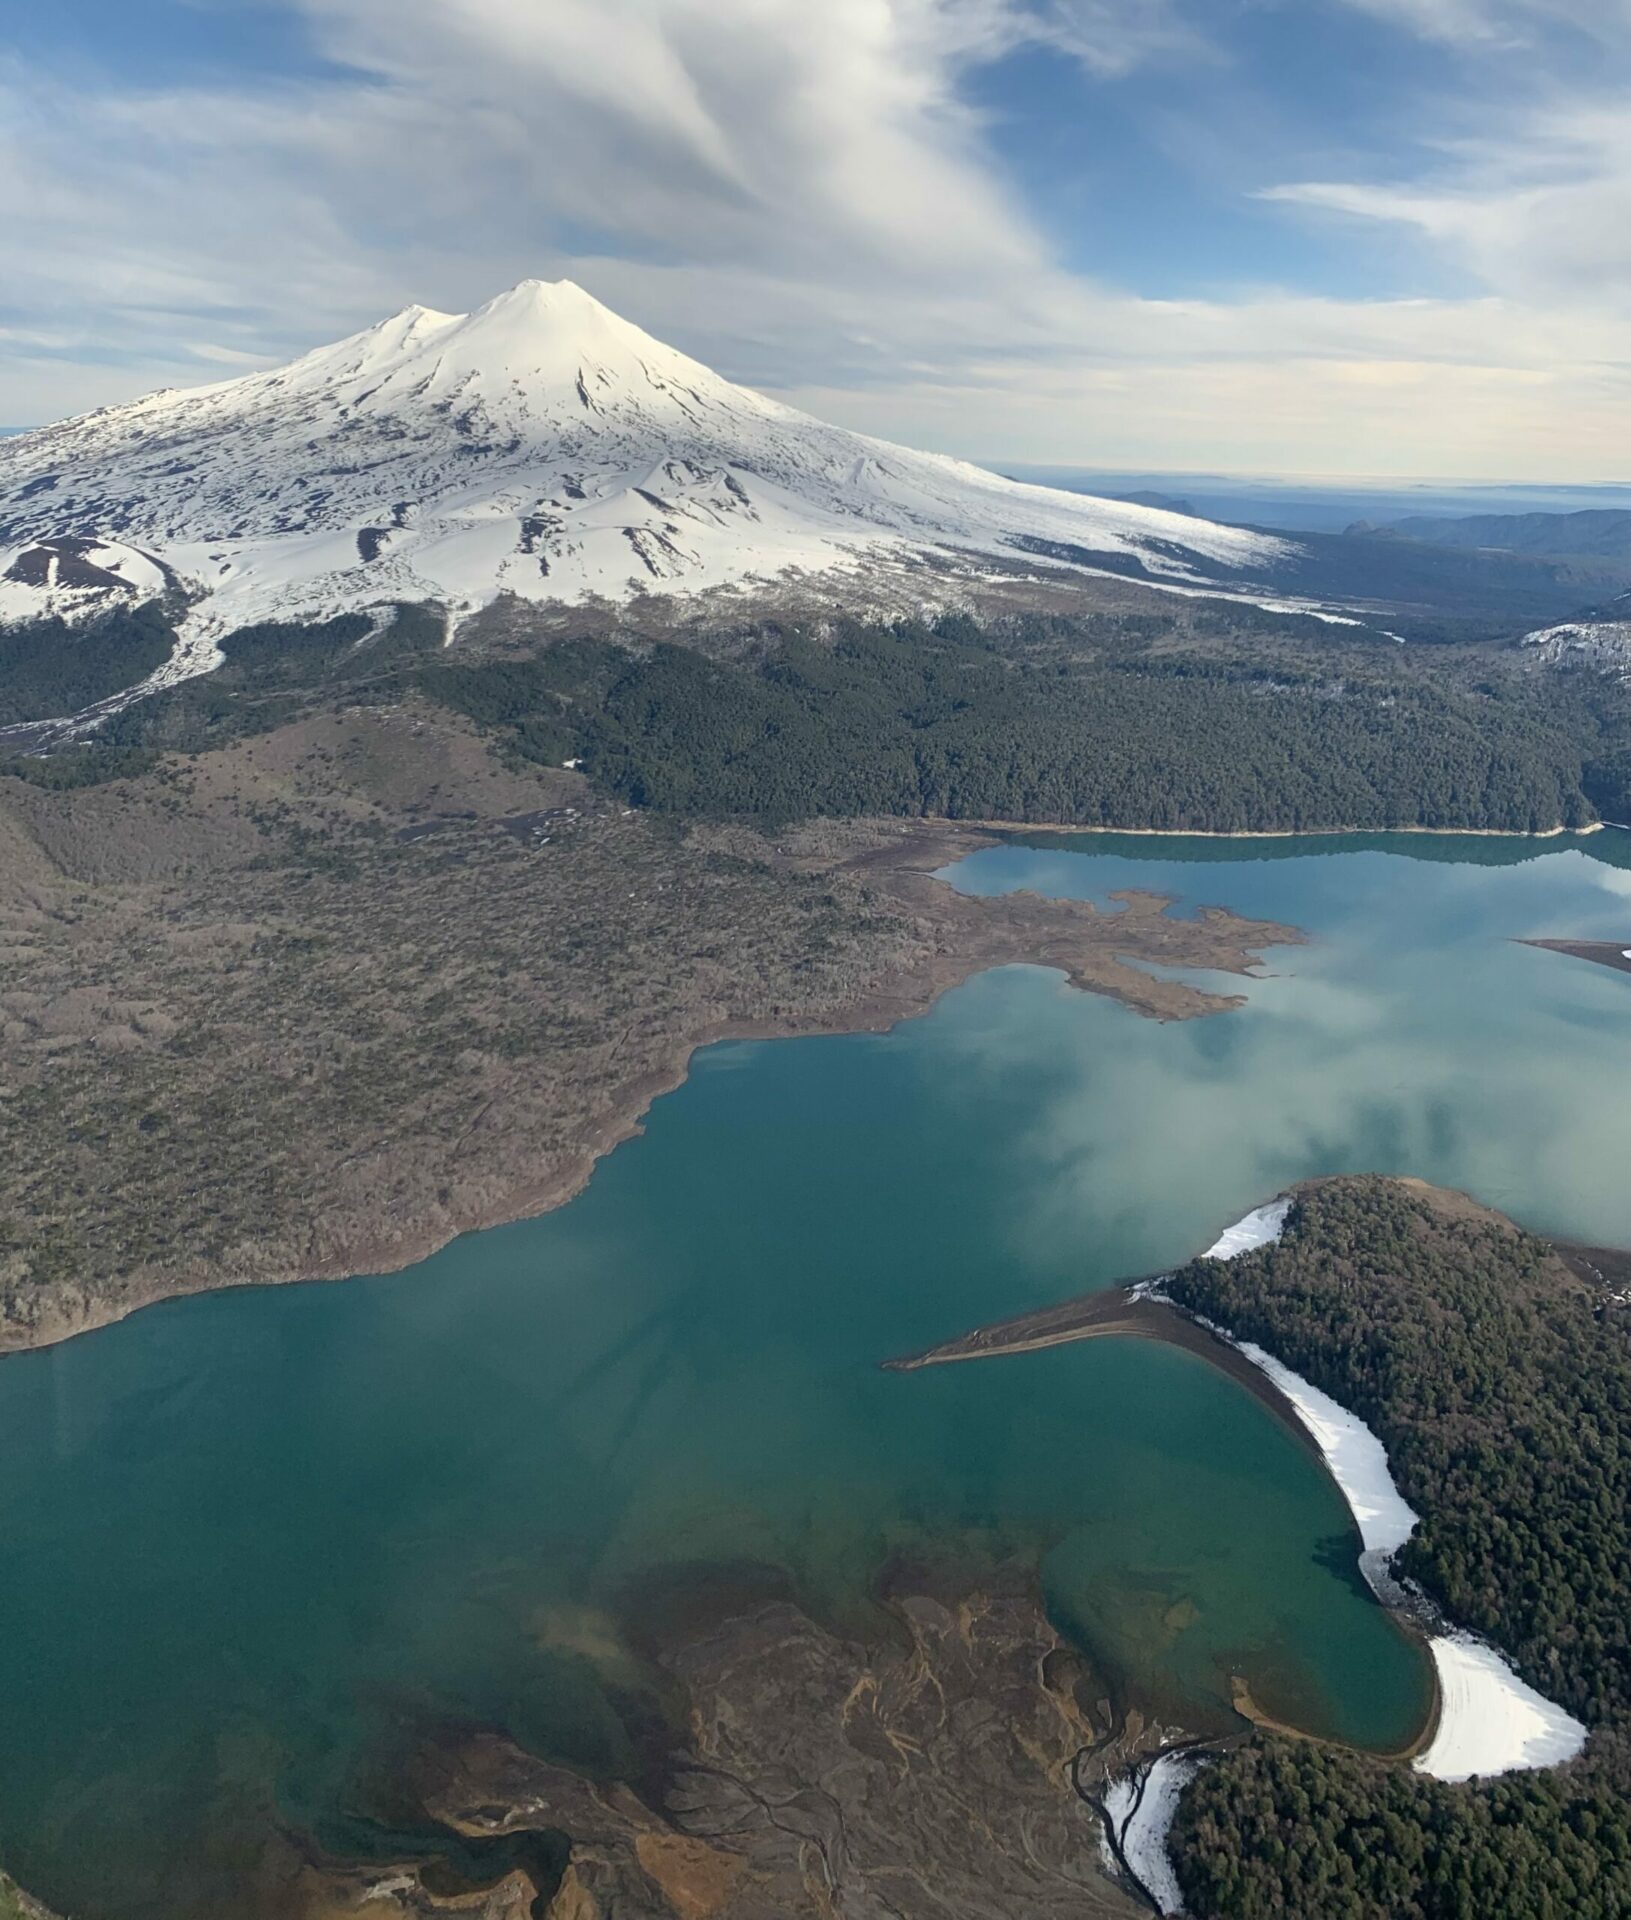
251 1544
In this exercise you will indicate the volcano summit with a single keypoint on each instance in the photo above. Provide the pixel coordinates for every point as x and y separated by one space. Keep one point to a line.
539 447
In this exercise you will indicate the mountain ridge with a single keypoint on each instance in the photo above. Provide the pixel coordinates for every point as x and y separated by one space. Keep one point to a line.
1584 533
539 446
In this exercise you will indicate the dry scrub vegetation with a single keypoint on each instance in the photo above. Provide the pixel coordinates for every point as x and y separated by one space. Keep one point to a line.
312 1003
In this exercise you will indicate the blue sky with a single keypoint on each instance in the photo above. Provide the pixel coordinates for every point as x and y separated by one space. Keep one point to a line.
1150 178
1368 237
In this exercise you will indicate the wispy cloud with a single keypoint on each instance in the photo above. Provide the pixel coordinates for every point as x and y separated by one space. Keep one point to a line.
1497 23
807 197
768 130
1544 208
1112 37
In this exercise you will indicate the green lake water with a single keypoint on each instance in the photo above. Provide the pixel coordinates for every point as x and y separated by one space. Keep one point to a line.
252 1543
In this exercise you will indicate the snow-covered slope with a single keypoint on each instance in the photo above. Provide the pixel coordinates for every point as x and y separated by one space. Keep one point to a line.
69 575
541 447
1601 640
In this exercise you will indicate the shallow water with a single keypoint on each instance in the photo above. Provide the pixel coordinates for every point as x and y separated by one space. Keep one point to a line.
1412 1036
250 1543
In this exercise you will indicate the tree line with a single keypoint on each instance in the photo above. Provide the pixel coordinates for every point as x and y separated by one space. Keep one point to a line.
1206 720
52 668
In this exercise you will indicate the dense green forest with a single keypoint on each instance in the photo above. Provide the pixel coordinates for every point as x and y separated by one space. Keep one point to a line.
269 674
53 667
1607 785
1286 1830
918 721
1213 721
1501 1395
1501 1388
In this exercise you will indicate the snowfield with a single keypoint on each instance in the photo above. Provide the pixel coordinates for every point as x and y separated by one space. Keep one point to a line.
67 576
539 447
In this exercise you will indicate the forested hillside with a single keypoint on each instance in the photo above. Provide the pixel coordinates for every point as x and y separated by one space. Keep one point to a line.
941 722
1285 1830
1215 721
1501 1388
51 667
269 675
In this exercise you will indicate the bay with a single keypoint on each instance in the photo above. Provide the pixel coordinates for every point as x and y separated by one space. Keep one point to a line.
252 1544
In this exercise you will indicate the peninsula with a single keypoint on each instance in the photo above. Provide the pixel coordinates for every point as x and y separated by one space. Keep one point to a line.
313 1003
1416 1338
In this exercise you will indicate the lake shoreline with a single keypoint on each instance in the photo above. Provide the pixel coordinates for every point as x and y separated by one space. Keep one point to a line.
1482 1721
962 935
1290 833
574 1357
1129 1311
1483 1718
957 936
1137 1310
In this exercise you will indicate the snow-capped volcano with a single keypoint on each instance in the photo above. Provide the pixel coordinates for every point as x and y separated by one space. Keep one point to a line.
540 447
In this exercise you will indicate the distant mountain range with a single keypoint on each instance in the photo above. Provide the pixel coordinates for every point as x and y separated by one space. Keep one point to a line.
1164 501
1593 545
1299 504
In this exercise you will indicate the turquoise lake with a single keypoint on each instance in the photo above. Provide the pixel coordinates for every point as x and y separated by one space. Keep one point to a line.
251 1543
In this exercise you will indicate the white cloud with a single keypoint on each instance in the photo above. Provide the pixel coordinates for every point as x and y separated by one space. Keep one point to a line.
830 137
1545 209
1110 37
1483 24
802 195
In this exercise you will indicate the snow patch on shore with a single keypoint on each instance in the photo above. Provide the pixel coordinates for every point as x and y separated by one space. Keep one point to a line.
1260 1228
1491 1721
1143 1820
1144 1837
1356 1458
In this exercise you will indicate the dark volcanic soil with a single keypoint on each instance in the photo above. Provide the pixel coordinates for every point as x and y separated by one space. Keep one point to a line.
1110 1313
932 1773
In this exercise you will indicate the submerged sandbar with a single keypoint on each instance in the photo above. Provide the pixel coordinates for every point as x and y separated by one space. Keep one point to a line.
1601 953
1130 1311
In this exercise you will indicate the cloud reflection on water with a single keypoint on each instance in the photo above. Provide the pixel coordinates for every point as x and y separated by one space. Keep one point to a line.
1411 1036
